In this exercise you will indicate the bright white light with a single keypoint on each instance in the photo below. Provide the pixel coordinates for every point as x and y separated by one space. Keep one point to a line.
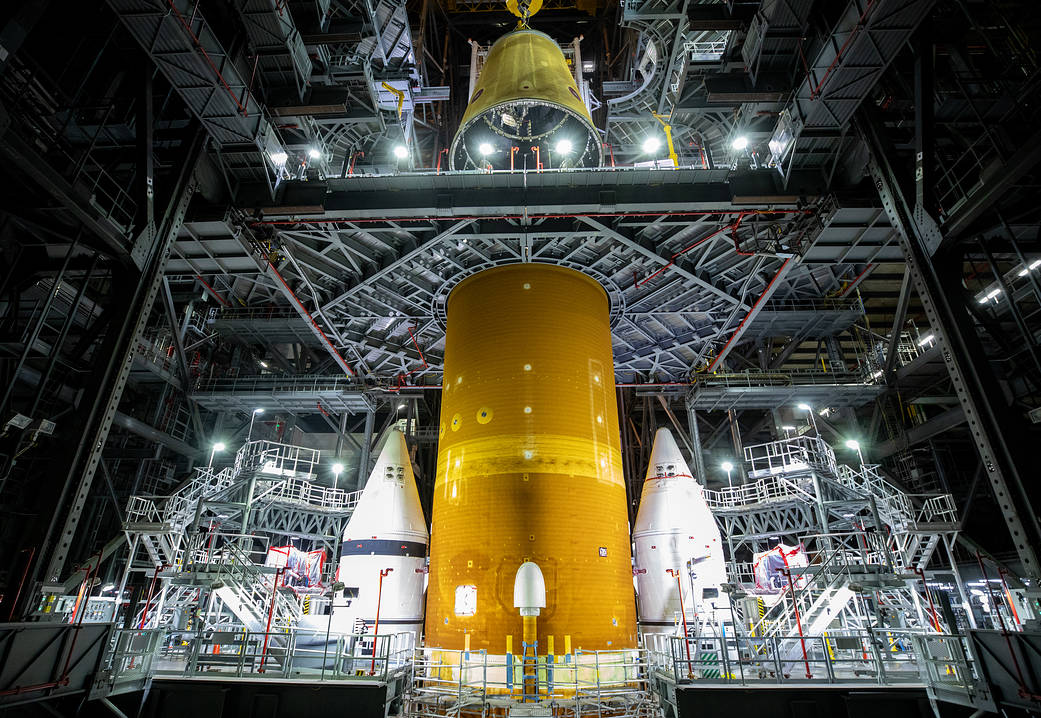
401 152
263 364
258 410
337 469
926 340
401 405
314 154
108 587
804 407
787 428
219 446
651 144
278 159
990 295
485 149
740 142
877 374
564 147
1030 268
853 444
727 466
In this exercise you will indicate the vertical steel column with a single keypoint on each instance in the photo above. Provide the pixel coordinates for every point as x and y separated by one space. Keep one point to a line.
974 385
113 377
695 440
366 447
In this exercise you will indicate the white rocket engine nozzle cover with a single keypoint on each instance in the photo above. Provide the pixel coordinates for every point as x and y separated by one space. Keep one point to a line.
529 589
386 530
675 530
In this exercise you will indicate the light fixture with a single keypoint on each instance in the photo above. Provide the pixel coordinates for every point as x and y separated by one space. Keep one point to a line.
337 469
853 444
401 152
564 147
401 405
278 159
990 295
1030 268
651 144
108 587
314 153
258 410
485 149
263 364
787 428
727 466
926 340
804 407
739 143
219 446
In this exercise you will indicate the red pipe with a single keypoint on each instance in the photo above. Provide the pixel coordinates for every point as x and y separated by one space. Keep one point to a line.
151 588
314 324
205 54
1023 692
798 620
683 615
929 595
513 151
376 628
856 281
416 344
672 260
815 92
271 612
1008 595
21 583
354 157
440 152
737 332
212 290
610 149
557 215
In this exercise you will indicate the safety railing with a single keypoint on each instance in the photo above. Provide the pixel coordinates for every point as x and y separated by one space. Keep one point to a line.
274 459
284 655
581 682
880 657
791 455
950 670
769 490
315 496
938 508
267 384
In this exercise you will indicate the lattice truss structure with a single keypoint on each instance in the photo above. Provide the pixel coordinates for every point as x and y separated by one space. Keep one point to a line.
683 287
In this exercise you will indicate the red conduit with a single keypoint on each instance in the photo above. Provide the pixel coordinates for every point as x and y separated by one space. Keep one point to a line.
815 92
212 291
560 215
209 60
416 344
672 259
733 234
737 332
314 324
856 280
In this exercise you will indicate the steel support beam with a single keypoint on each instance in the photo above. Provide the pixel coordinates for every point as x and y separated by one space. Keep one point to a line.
990 427
55 547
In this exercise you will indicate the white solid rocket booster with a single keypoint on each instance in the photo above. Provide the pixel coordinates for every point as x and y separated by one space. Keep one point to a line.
675 530
386 531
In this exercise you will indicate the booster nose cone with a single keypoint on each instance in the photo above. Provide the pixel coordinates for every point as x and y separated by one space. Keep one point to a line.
529 589
666 459
389 506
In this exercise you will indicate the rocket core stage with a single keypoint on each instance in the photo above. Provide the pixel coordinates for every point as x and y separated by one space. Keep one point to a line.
529 466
